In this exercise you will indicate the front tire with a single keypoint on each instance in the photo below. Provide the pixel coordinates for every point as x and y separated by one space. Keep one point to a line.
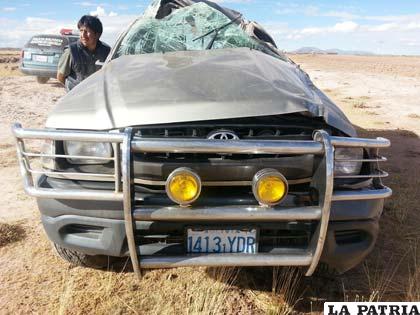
42 80
77 258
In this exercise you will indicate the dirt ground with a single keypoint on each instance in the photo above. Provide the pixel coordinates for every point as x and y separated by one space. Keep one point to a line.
380 95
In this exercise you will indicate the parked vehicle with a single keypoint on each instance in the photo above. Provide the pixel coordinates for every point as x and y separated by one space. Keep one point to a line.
41 54
200 144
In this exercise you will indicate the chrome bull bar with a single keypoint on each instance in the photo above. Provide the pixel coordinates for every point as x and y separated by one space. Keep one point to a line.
125 144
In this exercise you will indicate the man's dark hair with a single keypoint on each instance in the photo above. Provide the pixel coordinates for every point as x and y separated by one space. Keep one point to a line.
91 22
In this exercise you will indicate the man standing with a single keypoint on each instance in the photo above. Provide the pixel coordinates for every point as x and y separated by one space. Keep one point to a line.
78 62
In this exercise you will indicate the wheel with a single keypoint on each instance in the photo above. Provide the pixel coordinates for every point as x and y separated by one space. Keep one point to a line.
42 80
80 259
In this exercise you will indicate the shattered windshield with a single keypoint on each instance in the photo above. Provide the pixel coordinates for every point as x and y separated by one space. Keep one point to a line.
196 27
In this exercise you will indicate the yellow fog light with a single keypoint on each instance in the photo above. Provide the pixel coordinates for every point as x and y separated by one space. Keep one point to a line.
269 187
183 186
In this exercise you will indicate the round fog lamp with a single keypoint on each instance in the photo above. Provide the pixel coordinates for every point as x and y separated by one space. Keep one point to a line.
269 187
183 186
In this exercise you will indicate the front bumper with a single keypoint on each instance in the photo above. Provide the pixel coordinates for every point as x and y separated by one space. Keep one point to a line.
337 212
97 228
108 238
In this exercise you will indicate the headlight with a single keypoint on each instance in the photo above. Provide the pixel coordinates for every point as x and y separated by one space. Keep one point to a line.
350 167
48 148
96 149
269 187
183 186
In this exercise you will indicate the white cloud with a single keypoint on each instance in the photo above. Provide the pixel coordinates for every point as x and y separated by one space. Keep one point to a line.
100 12
341 15
313 30
345 27
413 44
9 9
410 42
311 10
37 20
294 8
114 25
392 18
284 11
384 27
294 36
275 28
86 4
413 26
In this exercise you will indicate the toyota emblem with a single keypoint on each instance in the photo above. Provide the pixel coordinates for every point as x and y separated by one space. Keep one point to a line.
222 135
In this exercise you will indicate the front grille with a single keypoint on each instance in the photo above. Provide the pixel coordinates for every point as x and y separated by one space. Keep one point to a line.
245 129
243 132
226 167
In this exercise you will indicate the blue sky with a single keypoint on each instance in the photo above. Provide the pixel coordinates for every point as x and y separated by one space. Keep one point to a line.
385 27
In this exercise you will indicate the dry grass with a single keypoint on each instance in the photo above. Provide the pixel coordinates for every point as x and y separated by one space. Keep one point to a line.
360 105
9 64
10 233
413 284
286 290
9 70
177 291
400 209
379 278
211 299
414 116
8 153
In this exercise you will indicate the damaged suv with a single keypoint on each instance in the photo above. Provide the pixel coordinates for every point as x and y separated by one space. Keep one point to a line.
199 143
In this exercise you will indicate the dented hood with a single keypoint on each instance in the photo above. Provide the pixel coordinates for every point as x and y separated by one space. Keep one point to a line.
188 86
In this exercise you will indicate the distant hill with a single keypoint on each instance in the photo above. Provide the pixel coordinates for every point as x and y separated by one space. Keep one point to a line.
317 51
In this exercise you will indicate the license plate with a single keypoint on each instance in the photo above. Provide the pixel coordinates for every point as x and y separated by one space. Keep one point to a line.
222 241
40 58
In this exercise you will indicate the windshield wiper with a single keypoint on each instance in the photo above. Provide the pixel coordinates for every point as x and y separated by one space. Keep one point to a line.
216 32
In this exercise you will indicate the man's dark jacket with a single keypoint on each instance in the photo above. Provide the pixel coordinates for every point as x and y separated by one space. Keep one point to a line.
83 62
